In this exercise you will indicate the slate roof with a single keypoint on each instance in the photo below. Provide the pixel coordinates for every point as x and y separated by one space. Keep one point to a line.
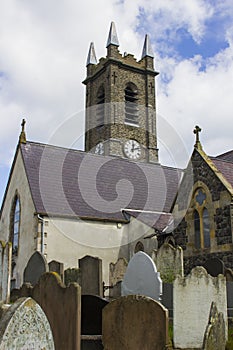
159 221
225 167
67 182
228 156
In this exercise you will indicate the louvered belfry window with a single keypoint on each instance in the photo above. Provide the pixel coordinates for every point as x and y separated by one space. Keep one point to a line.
100 107
131 104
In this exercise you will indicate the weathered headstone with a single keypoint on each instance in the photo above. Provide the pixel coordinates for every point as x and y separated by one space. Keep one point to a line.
91 275
36 266
62 306
115 291
169 262
72 275
192 299
55 266
214 267
135 322
5 270
142 278
117 271
24 325
215 334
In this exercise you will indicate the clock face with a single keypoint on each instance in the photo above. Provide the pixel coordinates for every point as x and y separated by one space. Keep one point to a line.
132 149
99 148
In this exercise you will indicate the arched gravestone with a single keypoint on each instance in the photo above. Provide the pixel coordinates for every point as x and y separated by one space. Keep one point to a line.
142 278
36 266
24 325
214 267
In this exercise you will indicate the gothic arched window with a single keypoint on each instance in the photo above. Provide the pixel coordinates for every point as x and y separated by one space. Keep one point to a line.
100 107
15 225
201 220
197 233
131 104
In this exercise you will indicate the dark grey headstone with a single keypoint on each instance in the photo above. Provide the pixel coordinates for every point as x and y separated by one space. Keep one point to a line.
91 314
214 267
91 322
36 266
91 275
55 266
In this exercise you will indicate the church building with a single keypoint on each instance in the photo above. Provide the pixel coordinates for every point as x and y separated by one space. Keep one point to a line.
115 198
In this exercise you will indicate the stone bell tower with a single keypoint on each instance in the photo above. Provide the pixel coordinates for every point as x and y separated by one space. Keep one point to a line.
120 103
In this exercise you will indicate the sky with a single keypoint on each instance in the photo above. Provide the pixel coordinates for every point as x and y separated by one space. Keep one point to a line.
43 51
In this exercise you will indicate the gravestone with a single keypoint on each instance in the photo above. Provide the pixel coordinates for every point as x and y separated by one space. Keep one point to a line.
214 267
24 325
91 321
36 266
91 275
5 270
62 306
55 266
215 334
192 299
72 275
135 322
142 278
169 262
117 271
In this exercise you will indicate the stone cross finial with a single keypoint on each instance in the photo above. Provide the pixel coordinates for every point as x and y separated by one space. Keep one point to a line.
196 131
22 136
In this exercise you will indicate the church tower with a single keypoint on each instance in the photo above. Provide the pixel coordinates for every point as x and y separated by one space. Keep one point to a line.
120 103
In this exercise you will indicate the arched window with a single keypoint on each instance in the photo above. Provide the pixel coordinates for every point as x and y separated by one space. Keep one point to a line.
100 107
206 228
131 104
201 220
139 247
15 225
197 232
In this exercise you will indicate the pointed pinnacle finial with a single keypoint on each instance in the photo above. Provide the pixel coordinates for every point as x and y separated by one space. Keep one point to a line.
196 131
91 57
147 48
22 136
112 36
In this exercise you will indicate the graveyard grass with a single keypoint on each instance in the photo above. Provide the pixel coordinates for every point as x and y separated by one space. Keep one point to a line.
229 345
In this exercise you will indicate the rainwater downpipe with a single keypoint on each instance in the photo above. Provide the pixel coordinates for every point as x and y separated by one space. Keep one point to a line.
42 234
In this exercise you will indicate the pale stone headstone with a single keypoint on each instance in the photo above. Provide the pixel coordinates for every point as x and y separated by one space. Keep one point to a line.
169 262
192 299
135 322
24 325
5 270
36 266
215 334
91 275
142 278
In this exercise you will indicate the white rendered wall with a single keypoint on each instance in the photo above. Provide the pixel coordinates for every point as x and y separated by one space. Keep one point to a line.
192 298
28 221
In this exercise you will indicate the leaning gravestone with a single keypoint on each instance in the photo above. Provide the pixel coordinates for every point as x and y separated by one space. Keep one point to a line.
36 266
215 334
142 278
23 325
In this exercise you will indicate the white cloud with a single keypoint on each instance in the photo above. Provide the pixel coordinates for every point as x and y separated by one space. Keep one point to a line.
43 49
